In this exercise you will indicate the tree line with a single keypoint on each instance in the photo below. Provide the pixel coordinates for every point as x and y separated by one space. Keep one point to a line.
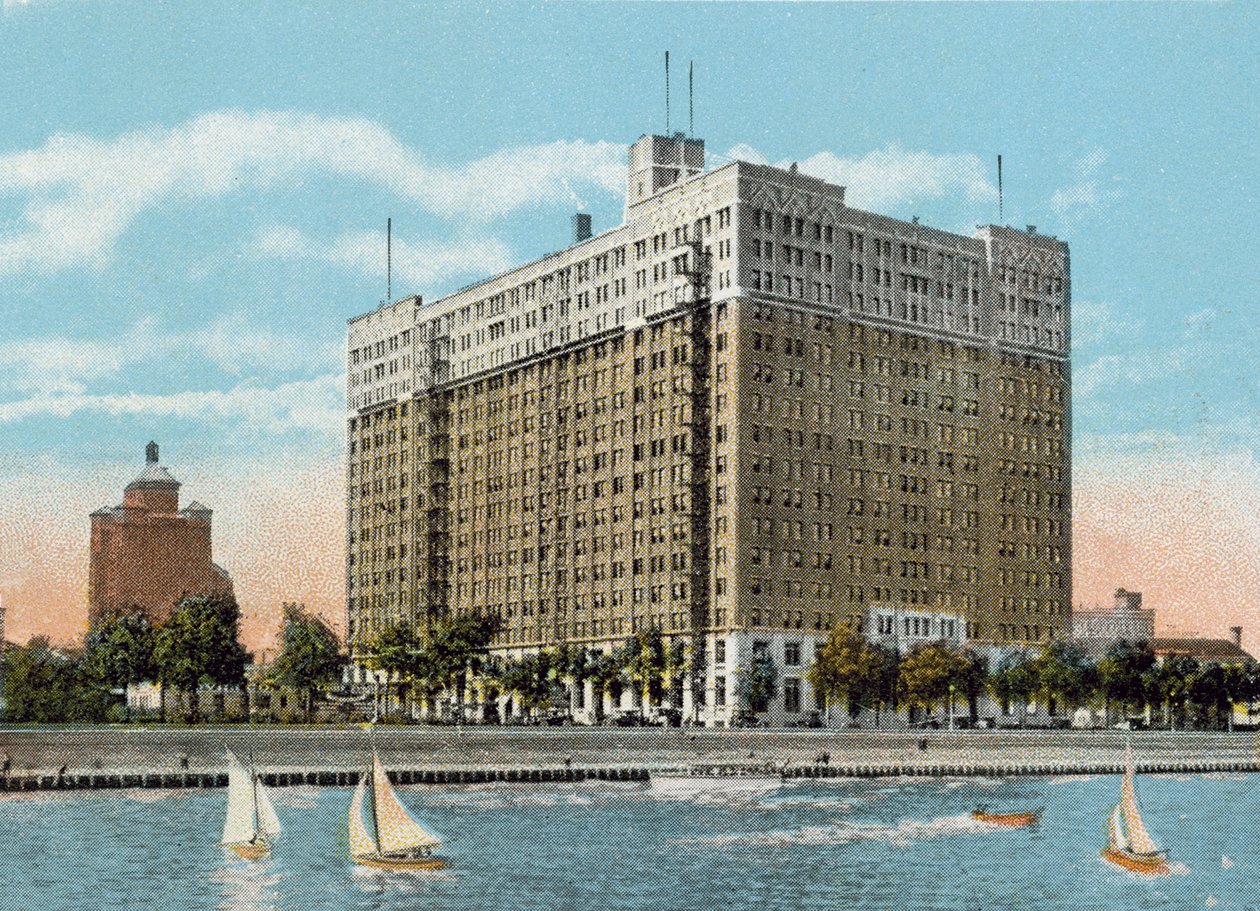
437 666
198 646
1128 680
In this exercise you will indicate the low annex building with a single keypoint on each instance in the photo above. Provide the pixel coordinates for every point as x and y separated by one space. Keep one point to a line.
147 554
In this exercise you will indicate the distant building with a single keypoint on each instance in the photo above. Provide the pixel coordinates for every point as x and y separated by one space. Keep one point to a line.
148 554
1204 651
1127 620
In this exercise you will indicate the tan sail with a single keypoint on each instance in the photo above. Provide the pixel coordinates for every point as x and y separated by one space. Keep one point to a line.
362 844
1140 840
396 831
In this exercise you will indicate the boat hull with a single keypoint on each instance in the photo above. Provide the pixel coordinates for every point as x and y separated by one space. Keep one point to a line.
401 863
251 850
1010 820
1149 865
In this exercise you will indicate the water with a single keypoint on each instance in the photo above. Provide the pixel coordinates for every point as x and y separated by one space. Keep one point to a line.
883 844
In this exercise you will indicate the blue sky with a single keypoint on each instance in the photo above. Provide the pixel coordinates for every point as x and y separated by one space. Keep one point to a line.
193 198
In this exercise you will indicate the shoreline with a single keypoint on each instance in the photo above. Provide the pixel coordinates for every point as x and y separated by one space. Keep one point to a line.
93 758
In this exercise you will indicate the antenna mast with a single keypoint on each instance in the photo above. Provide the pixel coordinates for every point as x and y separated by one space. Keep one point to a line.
999 189
691 93
389 260
667 93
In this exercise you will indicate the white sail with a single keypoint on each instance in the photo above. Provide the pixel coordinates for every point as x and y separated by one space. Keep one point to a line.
268 821
396 831
362 844
241 824
1140 841
1115 830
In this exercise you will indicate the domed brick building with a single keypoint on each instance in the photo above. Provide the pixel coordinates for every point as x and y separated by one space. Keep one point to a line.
148 554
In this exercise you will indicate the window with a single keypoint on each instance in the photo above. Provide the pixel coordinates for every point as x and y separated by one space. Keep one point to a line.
792 654
791 694
719 691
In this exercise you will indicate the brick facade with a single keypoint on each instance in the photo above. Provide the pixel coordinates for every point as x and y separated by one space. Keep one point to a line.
147 554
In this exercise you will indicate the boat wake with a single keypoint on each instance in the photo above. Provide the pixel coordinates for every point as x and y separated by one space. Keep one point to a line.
247 887
904 833
142 796
371 878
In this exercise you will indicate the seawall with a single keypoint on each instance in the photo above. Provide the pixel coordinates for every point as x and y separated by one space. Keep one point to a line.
95 758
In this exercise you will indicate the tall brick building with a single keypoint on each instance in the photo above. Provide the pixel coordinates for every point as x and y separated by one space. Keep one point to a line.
148 554
746 414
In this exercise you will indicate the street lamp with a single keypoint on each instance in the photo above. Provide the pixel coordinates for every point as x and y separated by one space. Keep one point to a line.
951 706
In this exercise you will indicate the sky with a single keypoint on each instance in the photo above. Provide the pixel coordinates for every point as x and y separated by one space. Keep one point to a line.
193 201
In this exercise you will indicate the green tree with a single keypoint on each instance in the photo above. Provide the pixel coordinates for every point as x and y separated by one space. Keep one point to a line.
847 668
200 644
118 652
532 679
43 685
1241 688
1062 673
1016 682
887 680
677 668
644 659
310 654
393 651
759 683
455 649
1208 692
975 678
1168 684
574 665
927 673
1122 674
604 671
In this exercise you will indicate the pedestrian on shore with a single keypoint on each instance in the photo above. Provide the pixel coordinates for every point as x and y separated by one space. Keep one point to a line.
5 762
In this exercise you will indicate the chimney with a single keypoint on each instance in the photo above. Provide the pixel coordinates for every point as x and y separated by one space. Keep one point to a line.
1237 631
151 453
581 227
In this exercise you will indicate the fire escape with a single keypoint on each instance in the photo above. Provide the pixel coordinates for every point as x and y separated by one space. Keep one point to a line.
438 523
695 267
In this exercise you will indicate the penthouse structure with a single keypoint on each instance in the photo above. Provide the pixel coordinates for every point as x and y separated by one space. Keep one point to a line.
746 414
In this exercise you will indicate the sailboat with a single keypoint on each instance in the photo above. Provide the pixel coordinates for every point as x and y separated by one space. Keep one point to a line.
1129 844
382 833
252 825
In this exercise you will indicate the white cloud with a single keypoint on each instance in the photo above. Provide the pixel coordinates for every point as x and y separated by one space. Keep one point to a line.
1199 323
1129 369
893 177
58 364
80 194
416 264
313 405
1094 322
1074 203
